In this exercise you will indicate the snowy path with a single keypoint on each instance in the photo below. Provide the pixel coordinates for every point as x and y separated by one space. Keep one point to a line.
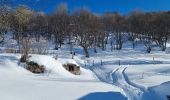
120 79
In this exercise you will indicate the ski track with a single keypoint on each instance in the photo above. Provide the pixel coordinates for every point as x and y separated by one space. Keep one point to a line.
118 78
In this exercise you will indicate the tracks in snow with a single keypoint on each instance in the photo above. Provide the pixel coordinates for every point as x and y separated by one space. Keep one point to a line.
120 79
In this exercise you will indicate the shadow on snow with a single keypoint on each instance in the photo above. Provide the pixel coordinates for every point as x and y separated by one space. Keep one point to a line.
103 96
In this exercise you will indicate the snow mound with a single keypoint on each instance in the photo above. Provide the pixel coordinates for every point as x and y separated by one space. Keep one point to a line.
85 73
55 67
52 66
17 83
162 91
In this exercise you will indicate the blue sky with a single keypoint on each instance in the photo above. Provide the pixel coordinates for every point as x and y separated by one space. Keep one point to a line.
101 6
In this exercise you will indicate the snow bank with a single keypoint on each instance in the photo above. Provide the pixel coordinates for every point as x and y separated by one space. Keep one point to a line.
16 83
55 67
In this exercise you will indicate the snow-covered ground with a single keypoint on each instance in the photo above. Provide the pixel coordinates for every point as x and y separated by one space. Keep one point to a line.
16 83
139 76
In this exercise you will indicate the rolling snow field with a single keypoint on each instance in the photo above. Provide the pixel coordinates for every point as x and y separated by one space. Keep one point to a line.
19 84
118 75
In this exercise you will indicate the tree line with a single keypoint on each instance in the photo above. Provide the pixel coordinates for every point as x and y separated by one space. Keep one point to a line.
87 29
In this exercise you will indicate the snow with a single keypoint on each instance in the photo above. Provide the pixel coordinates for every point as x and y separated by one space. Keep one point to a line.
161 90
51 65
140 76
19 84
144 77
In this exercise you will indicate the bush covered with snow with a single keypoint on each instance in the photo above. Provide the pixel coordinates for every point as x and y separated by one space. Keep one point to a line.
35 68
72 68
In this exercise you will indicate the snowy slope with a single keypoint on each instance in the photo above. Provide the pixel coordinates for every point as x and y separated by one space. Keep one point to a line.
140 76
148 74
19 84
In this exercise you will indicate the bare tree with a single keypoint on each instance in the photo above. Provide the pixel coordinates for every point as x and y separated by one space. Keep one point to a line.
4 20
60 24
20 25
83 31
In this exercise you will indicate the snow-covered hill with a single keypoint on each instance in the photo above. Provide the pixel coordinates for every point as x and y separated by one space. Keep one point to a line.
107 75
141 76
19 84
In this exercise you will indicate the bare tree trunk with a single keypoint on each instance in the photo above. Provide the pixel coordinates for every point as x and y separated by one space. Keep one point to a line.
103 45
86 52
95 44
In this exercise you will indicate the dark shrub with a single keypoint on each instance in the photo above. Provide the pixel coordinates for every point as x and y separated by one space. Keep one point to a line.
72 68
23 59
35 68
